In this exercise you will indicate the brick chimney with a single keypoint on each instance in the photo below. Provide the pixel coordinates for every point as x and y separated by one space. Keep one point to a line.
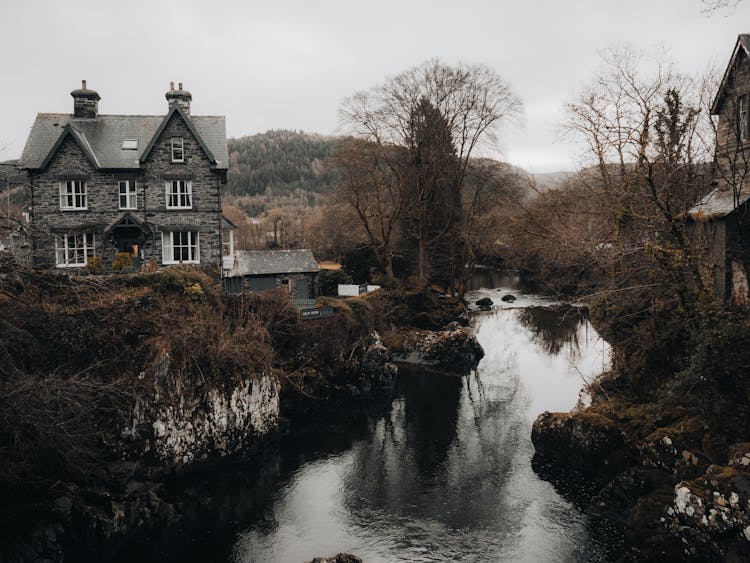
180 98
85 101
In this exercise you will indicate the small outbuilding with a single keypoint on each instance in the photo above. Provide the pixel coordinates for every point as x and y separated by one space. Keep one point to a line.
717 226
296 271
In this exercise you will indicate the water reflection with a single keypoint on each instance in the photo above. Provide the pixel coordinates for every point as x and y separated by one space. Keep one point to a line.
446 473
488 278
554 326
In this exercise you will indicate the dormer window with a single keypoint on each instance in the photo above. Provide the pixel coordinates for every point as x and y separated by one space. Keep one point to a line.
130 145
178 151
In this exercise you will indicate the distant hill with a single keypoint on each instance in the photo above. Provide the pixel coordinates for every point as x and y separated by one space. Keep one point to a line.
286 161
281 160
550 180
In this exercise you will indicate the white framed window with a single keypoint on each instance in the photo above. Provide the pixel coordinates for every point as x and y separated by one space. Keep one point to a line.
72 194
72 250
180 247
179 194
743 123
128 195
178 150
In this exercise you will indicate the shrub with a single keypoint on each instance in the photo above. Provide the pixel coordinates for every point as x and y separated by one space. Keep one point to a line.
94 265
122 260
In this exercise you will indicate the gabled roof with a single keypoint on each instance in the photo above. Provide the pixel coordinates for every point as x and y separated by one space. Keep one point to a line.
718 203
742 47
79 139
155 137
259 262
127 220
105 134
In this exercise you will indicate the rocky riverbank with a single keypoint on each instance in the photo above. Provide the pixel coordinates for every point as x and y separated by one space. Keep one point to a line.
111 387
662 478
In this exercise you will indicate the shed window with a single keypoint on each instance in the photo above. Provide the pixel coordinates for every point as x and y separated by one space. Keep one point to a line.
178 150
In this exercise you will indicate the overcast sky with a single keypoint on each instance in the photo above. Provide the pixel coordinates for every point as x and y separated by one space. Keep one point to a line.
289 64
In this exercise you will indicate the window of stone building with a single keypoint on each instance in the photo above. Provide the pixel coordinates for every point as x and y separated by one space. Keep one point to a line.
72 250
128 195
743 122
179 194
180 247
178 150
72 194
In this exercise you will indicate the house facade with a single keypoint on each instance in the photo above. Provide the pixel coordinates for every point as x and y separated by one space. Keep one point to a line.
143 187
720 223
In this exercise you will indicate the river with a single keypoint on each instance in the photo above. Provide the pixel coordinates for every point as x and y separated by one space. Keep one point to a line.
443 474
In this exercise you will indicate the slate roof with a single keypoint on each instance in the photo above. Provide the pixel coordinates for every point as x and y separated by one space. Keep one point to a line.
718 203
259 262
104 135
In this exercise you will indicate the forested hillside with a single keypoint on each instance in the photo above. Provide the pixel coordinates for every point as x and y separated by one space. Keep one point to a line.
283 161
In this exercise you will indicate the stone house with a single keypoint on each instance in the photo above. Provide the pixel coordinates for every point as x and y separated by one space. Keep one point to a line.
145 185
295 271
720 223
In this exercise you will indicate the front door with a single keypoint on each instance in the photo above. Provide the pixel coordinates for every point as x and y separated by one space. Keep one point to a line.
130 240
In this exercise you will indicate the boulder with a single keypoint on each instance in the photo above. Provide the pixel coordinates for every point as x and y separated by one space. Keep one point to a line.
584 442
338 558
508 298
456 351
484 304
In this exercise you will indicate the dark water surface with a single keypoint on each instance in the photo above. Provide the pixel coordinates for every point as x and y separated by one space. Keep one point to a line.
445 474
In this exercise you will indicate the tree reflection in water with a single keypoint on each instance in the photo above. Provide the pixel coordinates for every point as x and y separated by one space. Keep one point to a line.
554 327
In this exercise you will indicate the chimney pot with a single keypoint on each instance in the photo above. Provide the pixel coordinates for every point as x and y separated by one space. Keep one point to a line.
85 102
180 98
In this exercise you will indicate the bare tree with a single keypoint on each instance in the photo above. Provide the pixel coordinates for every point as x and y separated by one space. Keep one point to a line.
714 6
472 100
372 185
649 141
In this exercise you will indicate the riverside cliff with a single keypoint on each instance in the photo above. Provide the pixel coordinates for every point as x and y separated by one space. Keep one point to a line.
661 457
110 386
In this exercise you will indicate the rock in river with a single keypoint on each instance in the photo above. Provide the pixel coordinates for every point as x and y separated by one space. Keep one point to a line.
484 304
